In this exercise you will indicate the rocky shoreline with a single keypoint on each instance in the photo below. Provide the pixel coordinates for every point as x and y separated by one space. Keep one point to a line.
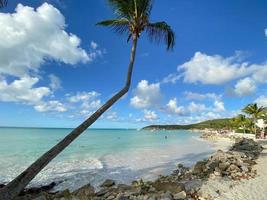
184 183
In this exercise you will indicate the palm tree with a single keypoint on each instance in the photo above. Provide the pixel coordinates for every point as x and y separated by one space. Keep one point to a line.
242 122
255 112
3 3
132 18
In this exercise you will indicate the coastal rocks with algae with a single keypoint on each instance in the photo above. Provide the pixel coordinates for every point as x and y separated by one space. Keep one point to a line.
183 183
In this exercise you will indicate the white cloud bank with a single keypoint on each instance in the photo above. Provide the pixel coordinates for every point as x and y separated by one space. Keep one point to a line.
245 87
146 95
201 96
262 101
87 102
22 90
218 70
213 69
29 37
173 108
55 82
150 115
50 106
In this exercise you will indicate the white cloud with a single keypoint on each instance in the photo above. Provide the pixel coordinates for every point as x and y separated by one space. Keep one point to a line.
212 115
262 101
245 87
218 106
195 108
55 82
83 96
22 90
201 97
218 70
87 102
112 116
265 32
260 74
150 115
174 109
93 105
50 106
214 69
172 78
146 95
29 37
93 45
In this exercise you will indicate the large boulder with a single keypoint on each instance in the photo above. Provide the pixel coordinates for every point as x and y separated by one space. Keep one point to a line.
108 183
248 146
199 167
172 187
84 192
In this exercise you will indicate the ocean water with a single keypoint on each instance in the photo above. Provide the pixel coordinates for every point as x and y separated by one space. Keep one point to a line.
98 154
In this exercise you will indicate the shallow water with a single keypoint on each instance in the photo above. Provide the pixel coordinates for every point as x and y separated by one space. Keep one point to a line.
98 154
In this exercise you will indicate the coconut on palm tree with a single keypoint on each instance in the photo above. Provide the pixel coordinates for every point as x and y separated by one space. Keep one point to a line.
132 18
255 112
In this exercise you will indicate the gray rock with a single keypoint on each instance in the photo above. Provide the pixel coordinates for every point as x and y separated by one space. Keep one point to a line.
108 183
85 191
64 193
180 195
111 197
224 165
41 197
102 192
199 167
244 168
168 186
217 173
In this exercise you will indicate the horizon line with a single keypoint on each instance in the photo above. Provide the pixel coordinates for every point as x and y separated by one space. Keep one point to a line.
33 127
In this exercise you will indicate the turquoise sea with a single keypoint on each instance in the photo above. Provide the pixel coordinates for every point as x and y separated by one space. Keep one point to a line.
98 154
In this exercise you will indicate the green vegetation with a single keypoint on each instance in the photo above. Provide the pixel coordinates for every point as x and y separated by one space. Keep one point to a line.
243 123
214 124
255 113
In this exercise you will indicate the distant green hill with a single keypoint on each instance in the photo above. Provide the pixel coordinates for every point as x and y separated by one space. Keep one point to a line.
215 124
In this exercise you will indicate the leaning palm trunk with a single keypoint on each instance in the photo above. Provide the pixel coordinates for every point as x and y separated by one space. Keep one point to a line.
13 189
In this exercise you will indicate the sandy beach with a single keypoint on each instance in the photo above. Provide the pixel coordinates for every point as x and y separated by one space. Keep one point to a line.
252 189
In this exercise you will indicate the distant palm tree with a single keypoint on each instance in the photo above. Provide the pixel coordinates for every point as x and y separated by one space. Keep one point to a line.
242 122
3 3
132 17
255 112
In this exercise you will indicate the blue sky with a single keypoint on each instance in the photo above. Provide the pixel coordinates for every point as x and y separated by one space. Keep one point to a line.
57 67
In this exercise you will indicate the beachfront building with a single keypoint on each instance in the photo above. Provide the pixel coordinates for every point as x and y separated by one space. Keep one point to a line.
261 124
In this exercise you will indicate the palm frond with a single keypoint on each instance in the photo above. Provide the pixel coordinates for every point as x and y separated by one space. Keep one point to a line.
144 7
161 31
254 110
130 8
123 8
3 3
133 17
117 25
